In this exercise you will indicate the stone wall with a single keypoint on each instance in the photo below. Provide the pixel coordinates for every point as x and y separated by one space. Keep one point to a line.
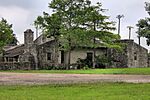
137 55
132 56
119 58
42 54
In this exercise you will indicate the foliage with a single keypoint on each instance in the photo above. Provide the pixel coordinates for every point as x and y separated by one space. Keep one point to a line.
144 31
84 22
5 32
103 61
50 24
89 91
144 26
147 7
56 68
77 23
84 63
13 40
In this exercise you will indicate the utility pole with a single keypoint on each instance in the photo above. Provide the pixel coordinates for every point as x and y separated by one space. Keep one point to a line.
130 28
119 19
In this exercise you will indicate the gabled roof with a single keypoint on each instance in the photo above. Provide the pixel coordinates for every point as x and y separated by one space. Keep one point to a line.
14 51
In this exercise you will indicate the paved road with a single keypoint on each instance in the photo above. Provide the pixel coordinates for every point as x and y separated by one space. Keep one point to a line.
36 78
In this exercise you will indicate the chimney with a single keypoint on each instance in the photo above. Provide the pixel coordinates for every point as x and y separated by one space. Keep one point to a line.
28 37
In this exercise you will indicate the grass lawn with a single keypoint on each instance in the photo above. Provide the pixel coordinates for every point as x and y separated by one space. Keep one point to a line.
95 91
135 71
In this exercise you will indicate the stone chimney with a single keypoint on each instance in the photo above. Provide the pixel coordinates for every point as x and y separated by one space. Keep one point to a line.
28 37
28 40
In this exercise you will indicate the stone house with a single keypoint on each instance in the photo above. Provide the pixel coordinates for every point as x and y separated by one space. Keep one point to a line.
39 54
132 56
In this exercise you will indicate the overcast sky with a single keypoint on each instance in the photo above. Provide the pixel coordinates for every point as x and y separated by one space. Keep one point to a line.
22 13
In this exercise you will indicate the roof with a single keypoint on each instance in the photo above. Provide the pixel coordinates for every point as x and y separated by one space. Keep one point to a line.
14 51
7 48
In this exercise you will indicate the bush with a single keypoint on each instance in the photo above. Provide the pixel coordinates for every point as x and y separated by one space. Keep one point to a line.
103 61
84 64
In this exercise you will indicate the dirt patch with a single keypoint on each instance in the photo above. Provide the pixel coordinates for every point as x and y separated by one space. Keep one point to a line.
36 78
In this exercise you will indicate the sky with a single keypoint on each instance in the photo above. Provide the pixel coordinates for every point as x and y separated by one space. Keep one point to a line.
22 13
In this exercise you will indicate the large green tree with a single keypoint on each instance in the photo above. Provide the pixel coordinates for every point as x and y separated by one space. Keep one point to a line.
84 23
80 24
6 33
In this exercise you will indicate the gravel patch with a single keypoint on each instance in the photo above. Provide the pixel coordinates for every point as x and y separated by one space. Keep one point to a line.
41 79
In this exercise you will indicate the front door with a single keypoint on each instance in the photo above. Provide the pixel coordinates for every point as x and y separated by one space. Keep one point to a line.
90 59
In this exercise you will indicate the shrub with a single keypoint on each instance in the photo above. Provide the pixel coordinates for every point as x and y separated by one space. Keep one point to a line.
103 61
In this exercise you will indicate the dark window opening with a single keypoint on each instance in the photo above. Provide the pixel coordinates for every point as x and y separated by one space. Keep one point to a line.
135 56
90 59
90 56
16 59
6 59
10 59
62 57
49 56
48 36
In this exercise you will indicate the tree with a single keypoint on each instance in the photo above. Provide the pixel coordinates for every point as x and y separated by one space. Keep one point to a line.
144 29
99 26
13 40
147 7
84 21
5 33
144 26
80 24
50 24
68 10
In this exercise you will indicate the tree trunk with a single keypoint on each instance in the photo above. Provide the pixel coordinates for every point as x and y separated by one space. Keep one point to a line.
94 49
56 52
69 54
94 55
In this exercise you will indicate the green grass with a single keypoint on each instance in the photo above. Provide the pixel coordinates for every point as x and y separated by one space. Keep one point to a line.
134 71
95 91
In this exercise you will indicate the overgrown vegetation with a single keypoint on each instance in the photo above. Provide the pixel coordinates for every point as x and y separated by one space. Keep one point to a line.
101 61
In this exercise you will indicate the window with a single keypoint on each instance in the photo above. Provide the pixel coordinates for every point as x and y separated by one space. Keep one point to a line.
89 58
10 59
49 56
16 59
135 56
62 57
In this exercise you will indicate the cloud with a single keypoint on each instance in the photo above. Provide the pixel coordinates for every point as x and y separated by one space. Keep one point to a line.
18 17
133 11
22 13
26 4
